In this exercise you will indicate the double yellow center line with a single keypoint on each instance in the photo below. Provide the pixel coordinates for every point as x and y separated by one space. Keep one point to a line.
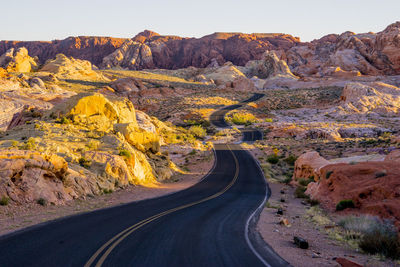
113 242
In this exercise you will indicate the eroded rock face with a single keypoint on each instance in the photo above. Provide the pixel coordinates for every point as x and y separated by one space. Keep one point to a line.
309 165
150 50
70 68
269 66
104 147
373 186
27 176
367 53
377 97
90 48
18 60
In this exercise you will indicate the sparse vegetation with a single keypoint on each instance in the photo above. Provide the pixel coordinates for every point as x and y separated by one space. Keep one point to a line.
273 159
30 144
64 120
241 118
197 131
291 159
85 162
372 235
380 174
300 192
107 191
4 201
328 174
381 238
345 204
125 153
42 201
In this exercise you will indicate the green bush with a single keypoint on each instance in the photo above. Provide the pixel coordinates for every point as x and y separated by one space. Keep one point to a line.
305 182
125 153
42 201
273 159
85 163
197 131
344 204
380 174
291 159
193 152
382 239
4 201
65 120
300 192
328 174
107 191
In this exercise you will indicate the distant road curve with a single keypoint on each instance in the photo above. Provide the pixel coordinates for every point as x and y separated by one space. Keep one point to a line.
209 224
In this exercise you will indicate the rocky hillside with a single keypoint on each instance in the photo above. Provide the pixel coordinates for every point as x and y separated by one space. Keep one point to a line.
151 50
348 54
367 53
82 47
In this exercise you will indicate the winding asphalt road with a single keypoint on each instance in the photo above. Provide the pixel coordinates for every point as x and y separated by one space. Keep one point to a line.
209 224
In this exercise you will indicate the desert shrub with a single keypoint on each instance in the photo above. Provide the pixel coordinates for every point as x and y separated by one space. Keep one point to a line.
85 163
30 144
291 159
107 191
269 120
313 202
93 144
300 192
287 179
273 159
358 224
328 174
305 182
197 131
380 174
344 204
381 238
14 143
64 120
193 152
125 153
42 201
4 201
243 118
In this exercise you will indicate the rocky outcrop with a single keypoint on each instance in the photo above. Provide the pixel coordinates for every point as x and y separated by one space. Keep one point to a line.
150 50
70 68
374 97
268 67
309 165
17 60
16 100
373 185
367 53
90 48
225 74
86 145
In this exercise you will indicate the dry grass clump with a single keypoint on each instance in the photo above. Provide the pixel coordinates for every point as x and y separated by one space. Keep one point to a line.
373 235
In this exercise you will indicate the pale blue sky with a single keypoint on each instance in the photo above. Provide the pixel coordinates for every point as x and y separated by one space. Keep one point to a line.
307 19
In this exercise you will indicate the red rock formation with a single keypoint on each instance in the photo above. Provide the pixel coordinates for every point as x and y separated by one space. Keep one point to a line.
367 53
374 186
150 50
82 47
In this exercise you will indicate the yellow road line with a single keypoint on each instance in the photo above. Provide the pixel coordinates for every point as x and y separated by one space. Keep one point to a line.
125 233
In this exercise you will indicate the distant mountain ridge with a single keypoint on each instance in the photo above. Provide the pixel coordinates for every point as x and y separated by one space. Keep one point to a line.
346 54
